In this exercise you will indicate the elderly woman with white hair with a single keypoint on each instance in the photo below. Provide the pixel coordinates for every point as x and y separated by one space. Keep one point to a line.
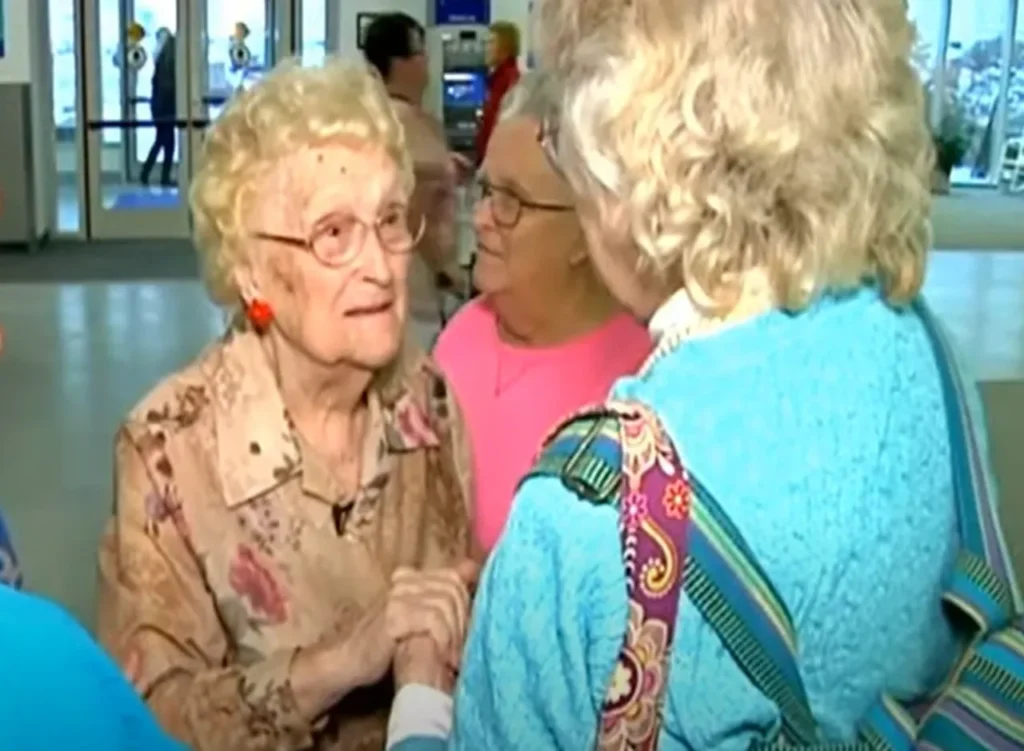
788 468
545 336
293 504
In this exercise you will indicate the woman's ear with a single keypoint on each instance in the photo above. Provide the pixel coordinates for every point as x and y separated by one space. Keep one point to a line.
245 282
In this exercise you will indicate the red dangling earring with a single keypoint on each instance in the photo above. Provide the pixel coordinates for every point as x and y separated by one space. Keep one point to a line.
260 314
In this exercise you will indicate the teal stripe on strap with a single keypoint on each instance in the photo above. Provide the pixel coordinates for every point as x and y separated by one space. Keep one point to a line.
734 595
959 727
1006 649
887 726
980 532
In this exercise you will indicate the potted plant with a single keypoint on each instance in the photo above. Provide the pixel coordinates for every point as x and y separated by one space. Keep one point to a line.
952 140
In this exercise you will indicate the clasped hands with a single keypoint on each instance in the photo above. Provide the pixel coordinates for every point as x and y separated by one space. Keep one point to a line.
420 628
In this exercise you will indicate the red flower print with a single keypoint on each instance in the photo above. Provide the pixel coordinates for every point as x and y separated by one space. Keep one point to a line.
253 581
157 508
412 424
677 499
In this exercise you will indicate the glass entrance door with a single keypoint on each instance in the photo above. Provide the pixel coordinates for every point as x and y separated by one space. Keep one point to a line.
158 72
136 112
235 43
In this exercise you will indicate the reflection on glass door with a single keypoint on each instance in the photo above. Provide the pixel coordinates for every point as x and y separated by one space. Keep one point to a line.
136 87
239 47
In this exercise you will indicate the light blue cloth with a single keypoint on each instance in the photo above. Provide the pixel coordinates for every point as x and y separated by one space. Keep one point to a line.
823 436
59 690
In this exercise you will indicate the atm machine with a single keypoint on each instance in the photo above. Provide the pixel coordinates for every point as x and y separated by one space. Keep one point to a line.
458 88
457 55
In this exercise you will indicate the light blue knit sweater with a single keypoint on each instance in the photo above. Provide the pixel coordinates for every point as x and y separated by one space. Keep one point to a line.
823 436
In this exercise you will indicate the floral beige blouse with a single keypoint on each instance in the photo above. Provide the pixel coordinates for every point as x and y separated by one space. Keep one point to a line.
232 545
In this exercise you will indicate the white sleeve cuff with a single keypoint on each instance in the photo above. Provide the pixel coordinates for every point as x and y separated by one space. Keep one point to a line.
419 711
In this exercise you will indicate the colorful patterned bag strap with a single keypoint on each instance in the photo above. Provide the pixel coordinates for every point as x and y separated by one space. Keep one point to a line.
603 452
984 586
619 453
982 706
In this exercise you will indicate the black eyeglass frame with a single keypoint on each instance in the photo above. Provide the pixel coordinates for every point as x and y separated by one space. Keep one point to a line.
487 189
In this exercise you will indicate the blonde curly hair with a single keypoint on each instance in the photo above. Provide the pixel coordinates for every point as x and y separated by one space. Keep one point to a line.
716 136
293 107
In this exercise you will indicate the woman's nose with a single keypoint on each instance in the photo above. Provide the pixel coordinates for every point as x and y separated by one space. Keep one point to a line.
483 220
373 258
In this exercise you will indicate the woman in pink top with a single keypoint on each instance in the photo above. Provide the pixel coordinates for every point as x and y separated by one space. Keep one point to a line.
545 337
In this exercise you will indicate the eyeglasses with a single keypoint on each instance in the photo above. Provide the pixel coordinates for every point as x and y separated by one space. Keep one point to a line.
506 206
338 239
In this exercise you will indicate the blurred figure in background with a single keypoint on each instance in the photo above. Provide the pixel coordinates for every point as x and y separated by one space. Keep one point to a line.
163 104
395 47
545 337
503 61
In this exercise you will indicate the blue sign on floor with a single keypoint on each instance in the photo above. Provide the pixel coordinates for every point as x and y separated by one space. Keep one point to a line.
460 11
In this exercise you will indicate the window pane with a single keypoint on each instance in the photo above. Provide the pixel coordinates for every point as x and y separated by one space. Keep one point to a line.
926 16
65 115
974 60
1013 149
314 32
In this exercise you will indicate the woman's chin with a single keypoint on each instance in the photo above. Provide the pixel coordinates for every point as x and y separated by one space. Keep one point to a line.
488 274
377 346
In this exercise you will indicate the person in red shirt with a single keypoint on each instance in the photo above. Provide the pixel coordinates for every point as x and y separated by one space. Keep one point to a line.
503 61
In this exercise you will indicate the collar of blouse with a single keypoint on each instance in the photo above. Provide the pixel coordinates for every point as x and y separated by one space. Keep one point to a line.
257 445
680 319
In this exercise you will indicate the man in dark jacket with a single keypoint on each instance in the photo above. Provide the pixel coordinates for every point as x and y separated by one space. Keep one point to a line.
163 104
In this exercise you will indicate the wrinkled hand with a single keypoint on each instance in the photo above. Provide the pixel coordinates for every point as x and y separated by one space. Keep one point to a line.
419 660
431 604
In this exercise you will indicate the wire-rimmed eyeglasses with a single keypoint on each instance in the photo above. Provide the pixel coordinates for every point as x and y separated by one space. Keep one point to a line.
506 205
338 239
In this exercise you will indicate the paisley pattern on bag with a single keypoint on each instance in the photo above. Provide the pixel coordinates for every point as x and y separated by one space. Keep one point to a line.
654 505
